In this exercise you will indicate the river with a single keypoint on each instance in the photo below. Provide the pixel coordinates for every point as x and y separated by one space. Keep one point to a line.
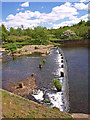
77 61
22 67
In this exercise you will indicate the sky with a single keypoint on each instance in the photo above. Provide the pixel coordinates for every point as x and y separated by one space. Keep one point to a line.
45 14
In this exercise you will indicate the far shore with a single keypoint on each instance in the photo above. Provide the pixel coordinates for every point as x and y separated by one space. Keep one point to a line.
30 49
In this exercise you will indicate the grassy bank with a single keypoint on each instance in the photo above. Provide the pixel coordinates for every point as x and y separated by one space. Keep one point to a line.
17 107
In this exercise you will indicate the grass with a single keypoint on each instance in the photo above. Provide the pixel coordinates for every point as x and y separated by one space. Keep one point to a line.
18 107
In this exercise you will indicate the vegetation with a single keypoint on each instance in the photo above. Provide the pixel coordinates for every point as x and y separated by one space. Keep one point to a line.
17 107
44 60
57 84
26 50
36 47
40 63
16 38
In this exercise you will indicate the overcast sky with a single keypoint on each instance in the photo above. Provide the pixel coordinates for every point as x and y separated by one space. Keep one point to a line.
48 14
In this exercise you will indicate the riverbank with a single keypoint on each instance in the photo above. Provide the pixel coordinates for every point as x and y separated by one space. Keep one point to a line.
15 106
30 49
74 42
25 87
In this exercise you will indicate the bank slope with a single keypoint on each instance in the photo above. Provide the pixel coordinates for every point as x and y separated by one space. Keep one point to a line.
14 106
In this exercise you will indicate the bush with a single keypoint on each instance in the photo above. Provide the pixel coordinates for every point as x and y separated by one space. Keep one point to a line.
26 50
40 65
44 60
19 51
57 84
36 47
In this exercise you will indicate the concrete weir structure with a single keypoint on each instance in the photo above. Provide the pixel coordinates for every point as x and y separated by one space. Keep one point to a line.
51 97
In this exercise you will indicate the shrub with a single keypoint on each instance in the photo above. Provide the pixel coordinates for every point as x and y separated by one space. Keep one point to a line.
26 50
57 84
19 51
44 115
40 65
35 47
44 60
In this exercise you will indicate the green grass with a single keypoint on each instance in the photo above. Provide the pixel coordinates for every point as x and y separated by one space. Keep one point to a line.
18 107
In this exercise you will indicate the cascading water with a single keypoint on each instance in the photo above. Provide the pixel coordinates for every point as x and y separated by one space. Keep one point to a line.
51 97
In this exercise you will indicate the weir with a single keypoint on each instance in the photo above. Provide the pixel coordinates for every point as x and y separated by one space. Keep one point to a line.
65 84
51 97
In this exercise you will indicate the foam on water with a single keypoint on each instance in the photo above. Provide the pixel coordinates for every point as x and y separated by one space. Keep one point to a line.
56 98
38 95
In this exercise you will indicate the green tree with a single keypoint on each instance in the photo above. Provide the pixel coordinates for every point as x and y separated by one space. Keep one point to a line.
41 34
13 31
19 31
68 34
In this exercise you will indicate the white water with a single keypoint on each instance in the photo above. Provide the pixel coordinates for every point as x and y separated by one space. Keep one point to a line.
38 95
56 98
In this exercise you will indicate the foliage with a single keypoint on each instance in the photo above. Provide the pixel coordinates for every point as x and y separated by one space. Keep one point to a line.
26 50
41 35
68 34
57 84
40 64
44 60
36 47
19 51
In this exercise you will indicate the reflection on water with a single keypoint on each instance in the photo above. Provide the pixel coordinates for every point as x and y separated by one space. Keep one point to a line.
23 66
77 59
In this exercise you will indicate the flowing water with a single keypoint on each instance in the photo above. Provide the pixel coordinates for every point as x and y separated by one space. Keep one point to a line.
22 67
19 68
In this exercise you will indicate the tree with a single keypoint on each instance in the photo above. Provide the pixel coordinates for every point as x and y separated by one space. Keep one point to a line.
68 34
13 31
41 34
88 23
4 33
19 31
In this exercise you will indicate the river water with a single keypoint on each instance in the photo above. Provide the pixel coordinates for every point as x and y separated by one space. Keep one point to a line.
77 61
15 70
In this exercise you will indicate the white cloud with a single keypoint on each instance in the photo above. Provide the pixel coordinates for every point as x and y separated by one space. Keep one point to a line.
26 4
22 8
81 6
59 12
66 10
18 9
73 21
82 0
